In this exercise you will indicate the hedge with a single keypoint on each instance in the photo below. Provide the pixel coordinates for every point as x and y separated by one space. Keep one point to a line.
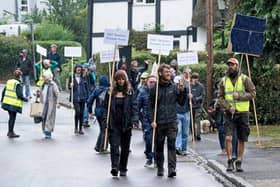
10 47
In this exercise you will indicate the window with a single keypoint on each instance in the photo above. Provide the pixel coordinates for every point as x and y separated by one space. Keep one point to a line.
143 2
176 44
24 6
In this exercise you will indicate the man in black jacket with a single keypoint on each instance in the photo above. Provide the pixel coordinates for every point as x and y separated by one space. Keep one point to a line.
25 65
166 121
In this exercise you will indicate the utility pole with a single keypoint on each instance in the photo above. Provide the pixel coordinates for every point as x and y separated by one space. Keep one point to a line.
90 29
210 55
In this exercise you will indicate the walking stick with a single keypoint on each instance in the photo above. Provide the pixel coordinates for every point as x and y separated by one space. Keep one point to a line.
193 138
254 104
111 74
156 103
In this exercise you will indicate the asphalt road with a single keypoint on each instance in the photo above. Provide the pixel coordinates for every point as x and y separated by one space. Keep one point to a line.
69 160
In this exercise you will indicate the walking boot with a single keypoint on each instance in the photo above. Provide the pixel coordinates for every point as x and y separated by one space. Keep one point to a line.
13 135
160 171
230 165
114 172
238 166
171 173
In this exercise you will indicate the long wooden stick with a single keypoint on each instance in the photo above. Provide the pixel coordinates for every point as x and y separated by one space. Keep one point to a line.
72 81
156 104
110 99
190 101
254 104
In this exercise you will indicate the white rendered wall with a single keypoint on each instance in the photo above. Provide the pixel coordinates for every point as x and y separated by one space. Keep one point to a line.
176 14
143 15
109 15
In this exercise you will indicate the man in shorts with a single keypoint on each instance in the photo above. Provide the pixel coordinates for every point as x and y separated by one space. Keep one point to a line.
235 92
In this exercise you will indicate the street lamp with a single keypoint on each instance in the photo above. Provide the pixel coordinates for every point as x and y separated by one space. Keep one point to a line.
222 7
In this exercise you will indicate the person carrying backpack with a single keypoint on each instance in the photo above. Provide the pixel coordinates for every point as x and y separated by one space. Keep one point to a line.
99 95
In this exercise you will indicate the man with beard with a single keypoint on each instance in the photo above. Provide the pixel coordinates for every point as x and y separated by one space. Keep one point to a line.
235 92
165 124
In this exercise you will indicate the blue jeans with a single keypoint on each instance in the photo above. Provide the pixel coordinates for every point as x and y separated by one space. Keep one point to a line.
26 82
221 129
85 114
183 131
148 138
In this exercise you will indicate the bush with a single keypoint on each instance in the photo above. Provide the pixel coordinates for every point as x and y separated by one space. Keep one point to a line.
10 48
48 31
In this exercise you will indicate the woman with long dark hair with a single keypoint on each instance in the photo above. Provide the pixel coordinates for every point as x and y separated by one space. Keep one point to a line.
123 115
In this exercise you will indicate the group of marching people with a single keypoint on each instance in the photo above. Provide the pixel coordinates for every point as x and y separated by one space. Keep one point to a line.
160 102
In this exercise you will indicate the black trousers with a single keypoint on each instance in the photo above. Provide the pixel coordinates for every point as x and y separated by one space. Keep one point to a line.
101 136
119 139
12 119
169 131
79 114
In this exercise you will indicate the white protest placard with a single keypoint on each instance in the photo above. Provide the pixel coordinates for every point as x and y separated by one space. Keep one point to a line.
116 37
72 51
161 52
108 56
160 42
187 58
41 50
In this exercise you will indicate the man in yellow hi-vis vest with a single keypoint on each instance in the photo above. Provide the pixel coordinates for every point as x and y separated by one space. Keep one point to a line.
235 92
12 97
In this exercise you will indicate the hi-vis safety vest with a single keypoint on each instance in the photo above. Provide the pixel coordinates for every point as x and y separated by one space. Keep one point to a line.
10 96
41 81
240 106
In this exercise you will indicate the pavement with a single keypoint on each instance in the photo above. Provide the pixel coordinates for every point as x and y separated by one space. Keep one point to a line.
261 165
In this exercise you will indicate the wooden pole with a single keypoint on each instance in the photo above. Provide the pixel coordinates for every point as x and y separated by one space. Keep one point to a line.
156 103
253 101
110 98
72 81
190 102
209 23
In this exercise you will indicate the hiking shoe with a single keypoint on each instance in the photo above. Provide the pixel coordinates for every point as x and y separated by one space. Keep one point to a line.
81 132
160 172
179 152
85 124
171 173
122 173
230 165
13 135
114 172
148 163
238 166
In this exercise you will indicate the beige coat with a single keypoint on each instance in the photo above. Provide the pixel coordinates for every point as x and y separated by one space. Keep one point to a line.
49 111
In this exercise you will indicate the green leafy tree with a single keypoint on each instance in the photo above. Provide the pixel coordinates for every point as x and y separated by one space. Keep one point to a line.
72 14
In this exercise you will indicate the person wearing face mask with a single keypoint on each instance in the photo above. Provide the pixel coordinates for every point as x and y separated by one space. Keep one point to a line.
80 95
142 101
234 95
123 115
165 124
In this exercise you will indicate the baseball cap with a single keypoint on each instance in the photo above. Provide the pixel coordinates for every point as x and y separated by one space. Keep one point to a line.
144 75
187 70
53 45
233 61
